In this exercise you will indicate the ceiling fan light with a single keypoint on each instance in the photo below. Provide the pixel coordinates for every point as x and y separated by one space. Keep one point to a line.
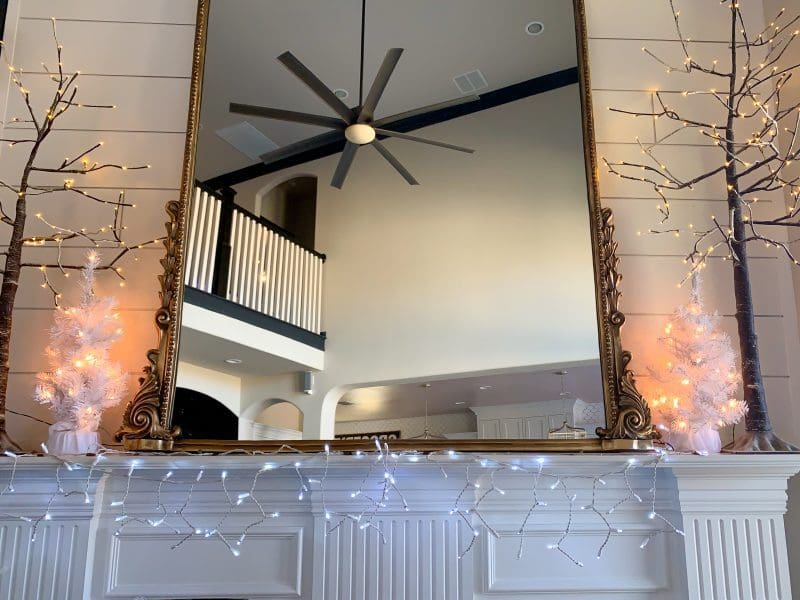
360 133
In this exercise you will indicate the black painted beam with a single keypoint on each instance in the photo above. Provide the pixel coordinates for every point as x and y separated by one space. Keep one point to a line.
3 11
511 93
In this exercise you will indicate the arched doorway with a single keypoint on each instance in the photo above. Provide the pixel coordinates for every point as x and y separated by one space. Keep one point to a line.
292 205
202 417
274 419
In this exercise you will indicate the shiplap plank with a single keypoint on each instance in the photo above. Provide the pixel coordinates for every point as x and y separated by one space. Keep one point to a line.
144 221
164 151
685 162
623 128
142 49
640 215
157 104
613 126
642 332
700 20
148 11
27 348
139 293
32 433
641 72
643 274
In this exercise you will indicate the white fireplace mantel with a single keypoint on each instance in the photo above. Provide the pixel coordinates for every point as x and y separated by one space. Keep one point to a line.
730 507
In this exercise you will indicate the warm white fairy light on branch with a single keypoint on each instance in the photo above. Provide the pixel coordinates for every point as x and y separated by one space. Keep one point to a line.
760 88
371 501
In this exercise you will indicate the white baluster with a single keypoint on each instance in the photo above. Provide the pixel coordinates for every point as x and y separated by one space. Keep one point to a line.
320 267
202 224
304 289
292 296
253 265
209 245
247 257
310 258
313 295
257 269
261 271
269 272
298 254
280 287
191 242
236 256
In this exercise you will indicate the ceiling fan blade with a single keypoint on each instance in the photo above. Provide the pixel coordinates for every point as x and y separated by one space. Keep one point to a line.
285 115
394 162
343 167
414 138
379 85
301 146
425 109
302 72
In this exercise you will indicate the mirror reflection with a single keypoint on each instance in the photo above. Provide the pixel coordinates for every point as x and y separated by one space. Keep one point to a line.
389 234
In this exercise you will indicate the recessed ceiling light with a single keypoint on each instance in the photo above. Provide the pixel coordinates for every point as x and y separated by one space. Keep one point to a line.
233 361
425 385
485 387
534 28
459 403
341 93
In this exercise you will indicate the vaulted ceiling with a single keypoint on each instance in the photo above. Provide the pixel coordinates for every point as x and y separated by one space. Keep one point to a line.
442 39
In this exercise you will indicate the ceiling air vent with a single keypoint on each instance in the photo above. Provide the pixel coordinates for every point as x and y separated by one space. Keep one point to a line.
247 139
471 82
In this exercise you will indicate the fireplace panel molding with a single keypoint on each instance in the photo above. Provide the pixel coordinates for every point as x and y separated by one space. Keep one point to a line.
731 508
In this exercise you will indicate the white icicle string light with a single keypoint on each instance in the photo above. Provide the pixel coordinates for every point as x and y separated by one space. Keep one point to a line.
373 495
9 487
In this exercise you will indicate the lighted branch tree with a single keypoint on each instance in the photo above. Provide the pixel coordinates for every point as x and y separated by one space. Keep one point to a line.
36 180
749 98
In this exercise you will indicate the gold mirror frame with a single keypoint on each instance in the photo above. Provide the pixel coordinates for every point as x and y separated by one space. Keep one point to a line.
147 422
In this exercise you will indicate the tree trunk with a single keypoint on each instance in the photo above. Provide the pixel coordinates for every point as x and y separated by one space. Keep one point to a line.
756 418
8 294
758 435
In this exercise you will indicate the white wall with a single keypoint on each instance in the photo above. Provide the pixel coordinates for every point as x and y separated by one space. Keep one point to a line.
136 55
282 414
409 427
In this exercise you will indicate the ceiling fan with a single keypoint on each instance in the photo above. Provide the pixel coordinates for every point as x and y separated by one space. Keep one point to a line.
357 125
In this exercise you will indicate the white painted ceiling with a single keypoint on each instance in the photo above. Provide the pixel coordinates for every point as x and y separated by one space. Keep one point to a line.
210 351
583 380
441 38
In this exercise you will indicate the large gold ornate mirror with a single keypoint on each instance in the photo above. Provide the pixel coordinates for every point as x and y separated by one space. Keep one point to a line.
389 228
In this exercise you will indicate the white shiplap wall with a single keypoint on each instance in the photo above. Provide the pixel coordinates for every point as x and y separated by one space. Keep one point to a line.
136 55
624 77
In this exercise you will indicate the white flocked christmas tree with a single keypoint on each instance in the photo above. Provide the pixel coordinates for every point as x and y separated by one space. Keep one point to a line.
694 394
82 382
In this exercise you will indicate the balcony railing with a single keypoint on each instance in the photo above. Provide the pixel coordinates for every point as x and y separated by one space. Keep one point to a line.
250 261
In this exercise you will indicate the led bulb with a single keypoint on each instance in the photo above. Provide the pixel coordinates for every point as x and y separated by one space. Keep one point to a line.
360 133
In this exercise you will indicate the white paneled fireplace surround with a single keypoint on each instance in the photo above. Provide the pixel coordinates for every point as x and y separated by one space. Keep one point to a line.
730 507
